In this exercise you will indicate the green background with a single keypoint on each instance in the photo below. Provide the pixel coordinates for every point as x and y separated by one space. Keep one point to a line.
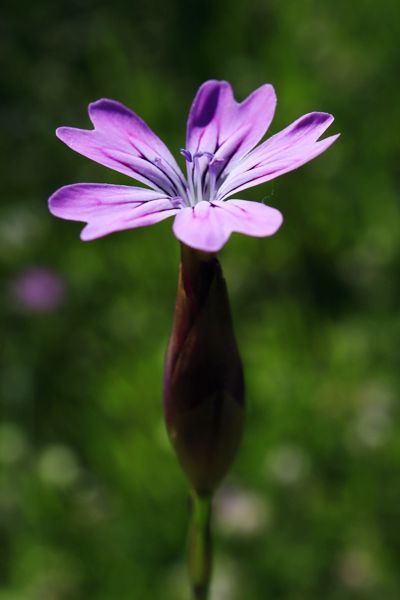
92 502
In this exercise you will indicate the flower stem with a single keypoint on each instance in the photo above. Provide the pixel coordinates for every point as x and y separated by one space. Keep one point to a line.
200 548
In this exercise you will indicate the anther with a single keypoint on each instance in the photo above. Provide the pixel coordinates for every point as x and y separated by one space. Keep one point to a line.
186 154
201 154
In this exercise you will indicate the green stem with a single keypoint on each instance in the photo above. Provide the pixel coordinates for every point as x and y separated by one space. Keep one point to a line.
200 549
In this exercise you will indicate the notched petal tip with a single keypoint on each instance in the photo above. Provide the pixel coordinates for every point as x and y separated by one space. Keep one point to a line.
71 137
213 83
63 133
267 89
332 138
325 143
313 119
275 222
56 202
251 218
107 108
86 236
309 127
278 222
103 102
205 104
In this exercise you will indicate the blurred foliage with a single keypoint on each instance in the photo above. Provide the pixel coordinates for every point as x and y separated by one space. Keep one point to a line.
92 503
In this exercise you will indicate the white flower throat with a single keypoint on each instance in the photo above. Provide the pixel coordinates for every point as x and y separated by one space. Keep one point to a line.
203 173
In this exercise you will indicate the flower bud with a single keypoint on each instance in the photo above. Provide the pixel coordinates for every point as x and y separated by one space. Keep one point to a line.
203 386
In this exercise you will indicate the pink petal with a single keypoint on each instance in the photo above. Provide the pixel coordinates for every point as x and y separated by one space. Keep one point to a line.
109 208
250 218
200 228
287 150
132 216
86 201
207 227
123 142
302 132
215 117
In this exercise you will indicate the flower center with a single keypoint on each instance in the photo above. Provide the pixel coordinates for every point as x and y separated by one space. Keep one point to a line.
203 169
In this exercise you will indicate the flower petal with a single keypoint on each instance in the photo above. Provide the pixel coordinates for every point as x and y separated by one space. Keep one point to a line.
86 201
122 141
215 117
199 227
109 208
250 218
287 150
302 132
134 215
208 226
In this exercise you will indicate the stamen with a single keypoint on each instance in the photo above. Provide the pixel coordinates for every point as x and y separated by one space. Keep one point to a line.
200 154
197 176
176 181
214 170
186 154
202 176
177 202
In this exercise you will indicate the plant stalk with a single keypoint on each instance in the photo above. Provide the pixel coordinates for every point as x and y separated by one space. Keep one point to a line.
200 546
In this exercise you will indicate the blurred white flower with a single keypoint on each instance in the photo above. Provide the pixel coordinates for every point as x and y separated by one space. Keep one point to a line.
287 464
373 420
357 569
240 512
19 228
58 466
226 584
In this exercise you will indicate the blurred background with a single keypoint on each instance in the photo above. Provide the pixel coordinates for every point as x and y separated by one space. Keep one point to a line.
92 502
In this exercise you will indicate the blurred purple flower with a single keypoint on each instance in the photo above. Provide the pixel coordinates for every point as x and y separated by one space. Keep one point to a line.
38 289
221 161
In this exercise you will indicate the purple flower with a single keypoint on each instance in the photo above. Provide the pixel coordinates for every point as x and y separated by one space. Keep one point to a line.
221 160
38 289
